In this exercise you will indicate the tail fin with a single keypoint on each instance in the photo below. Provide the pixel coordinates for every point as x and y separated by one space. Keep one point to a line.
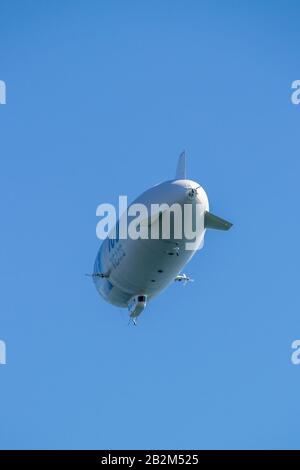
215 222
181 167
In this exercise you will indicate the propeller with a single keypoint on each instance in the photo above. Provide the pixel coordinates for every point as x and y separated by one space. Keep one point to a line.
183 278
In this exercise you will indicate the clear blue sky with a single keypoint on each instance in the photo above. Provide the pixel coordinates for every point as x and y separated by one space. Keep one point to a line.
101 98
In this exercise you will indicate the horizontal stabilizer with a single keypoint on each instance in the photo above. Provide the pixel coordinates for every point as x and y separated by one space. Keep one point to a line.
215 222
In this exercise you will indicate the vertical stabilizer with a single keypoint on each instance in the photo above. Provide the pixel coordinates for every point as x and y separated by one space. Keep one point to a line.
181 167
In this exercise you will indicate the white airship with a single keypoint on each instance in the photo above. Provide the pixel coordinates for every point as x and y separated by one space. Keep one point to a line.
130 272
